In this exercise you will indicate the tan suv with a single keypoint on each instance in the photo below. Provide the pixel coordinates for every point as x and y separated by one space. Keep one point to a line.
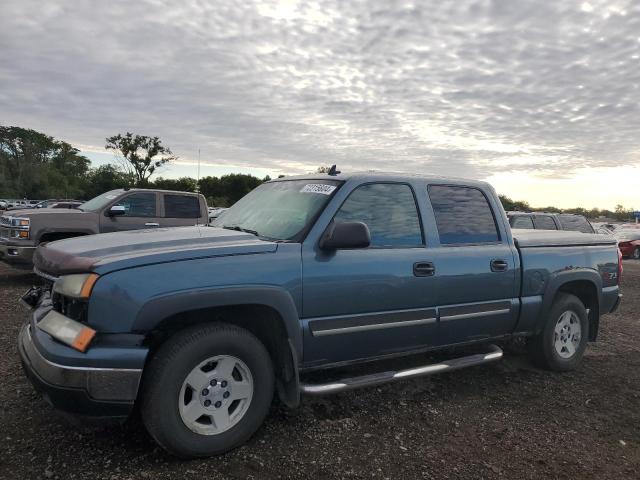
21 231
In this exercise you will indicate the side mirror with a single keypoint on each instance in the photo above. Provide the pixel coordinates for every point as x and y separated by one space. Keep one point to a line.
116 211
345 235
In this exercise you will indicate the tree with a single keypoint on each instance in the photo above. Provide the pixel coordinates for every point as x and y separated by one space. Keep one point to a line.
514 205
183 184
36 165
105 178
141 155
228 189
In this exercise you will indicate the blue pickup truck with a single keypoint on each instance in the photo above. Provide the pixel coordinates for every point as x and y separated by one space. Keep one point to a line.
199 326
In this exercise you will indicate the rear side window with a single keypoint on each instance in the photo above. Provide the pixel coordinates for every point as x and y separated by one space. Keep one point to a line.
181 206
390 212
139 205
575 223
545 222
522 221
463 215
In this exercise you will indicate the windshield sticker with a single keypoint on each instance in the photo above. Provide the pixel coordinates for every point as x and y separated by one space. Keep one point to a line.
318 188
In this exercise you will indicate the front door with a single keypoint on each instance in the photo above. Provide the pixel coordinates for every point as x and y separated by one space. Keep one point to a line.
362 303
140 211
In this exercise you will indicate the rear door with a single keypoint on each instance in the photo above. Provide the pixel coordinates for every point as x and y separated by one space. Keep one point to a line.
141 211
475 265
180 210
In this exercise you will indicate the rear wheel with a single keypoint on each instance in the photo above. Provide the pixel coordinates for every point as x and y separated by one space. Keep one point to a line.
636 253
562 342
207 390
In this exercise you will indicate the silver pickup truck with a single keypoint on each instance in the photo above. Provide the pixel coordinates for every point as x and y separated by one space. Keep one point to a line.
21 231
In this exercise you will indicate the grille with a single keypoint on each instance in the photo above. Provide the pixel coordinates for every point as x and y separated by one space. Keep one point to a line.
5 221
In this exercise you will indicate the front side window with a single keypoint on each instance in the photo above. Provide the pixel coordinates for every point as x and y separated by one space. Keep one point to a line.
545 222
463 215
390 212
181 206
139 205
522 221
281 210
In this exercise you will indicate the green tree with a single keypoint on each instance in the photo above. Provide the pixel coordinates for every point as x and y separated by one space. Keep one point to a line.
105 178
36 165
140 155
183 184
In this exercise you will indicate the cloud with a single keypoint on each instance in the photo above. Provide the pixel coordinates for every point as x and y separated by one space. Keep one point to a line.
471 88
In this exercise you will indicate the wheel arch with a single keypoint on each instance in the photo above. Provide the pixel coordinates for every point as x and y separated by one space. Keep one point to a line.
267 312
584 284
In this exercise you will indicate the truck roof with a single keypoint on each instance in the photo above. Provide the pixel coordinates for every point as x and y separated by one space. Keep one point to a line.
153 190
386 176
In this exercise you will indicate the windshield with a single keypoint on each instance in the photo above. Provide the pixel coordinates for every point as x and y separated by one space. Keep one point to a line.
279 210
99 202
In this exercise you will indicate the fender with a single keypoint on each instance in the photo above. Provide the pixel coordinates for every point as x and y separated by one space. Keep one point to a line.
560 278
160 308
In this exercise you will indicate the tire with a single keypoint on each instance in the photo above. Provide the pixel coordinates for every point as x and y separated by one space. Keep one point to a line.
244 383
636 253
555 347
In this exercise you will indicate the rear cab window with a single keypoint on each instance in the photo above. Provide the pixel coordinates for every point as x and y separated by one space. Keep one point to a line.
463 215
181 206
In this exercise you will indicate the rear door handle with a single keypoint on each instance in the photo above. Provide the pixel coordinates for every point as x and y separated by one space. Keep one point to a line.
498 265
152 224
424 269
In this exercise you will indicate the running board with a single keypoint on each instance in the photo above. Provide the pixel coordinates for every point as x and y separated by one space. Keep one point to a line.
494 353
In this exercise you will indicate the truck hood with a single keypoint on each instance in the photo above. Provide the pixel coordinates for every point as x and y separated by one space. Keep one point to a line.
114 251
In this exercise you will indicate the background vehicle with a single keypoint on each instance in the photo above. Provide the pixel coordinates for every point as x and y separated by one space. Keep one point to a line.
118 210
629 242
215 212
3 204
549 221
304 274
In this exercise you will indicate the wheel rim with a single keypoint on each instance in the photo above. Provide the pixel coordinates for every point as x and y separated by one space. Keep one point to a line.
568 333
636 253
215 395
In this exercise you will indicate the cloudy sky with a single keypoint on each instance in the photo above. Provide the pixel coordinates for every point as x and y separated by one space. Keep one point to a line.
541 98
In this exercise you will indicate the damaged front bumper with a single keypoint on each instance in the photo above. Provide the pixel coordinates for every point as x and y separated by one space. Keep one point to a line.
102 382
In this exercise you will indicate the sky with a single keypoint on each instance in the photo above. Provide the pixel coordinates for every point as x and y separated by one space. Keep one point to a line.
540 98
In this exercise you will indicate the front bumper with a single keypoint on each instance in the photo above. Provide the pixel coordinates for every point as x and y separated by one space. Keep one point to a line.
71 385
17 255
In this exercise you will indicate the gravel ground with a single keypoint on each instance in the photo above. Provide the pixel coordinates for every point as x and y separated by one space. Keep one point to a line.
505 420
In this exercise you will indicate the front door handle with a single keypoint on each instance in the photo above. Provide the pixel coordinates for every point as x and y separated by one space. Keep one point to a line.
424 269
151 224
498 265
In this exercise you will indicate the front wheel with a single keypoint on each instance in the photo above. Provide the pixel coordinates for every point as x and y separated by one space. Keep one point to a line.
207 390
562 342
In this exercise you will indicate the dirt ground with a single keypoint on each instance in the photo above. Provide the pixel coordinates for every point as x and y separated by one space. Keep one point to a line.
505 420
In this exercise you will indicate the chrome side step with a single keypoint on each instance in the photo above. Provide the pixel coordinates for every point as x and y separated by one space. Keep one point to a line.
494 353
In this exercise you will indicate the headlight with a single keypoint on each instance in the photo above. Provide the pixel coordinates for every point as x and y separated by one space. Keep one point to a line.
20 222
78 285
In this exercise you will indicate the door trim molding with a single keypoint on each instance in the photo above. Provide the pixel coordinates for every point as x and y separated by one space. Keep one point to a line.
360 322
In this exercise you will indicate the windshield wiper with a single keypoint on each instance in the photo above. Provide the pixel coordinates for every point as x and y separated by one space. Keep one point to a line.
238 228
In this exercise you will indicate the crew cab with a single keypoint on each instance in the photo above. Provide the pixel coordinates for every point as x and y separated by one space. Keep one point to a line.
21 231
199 326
